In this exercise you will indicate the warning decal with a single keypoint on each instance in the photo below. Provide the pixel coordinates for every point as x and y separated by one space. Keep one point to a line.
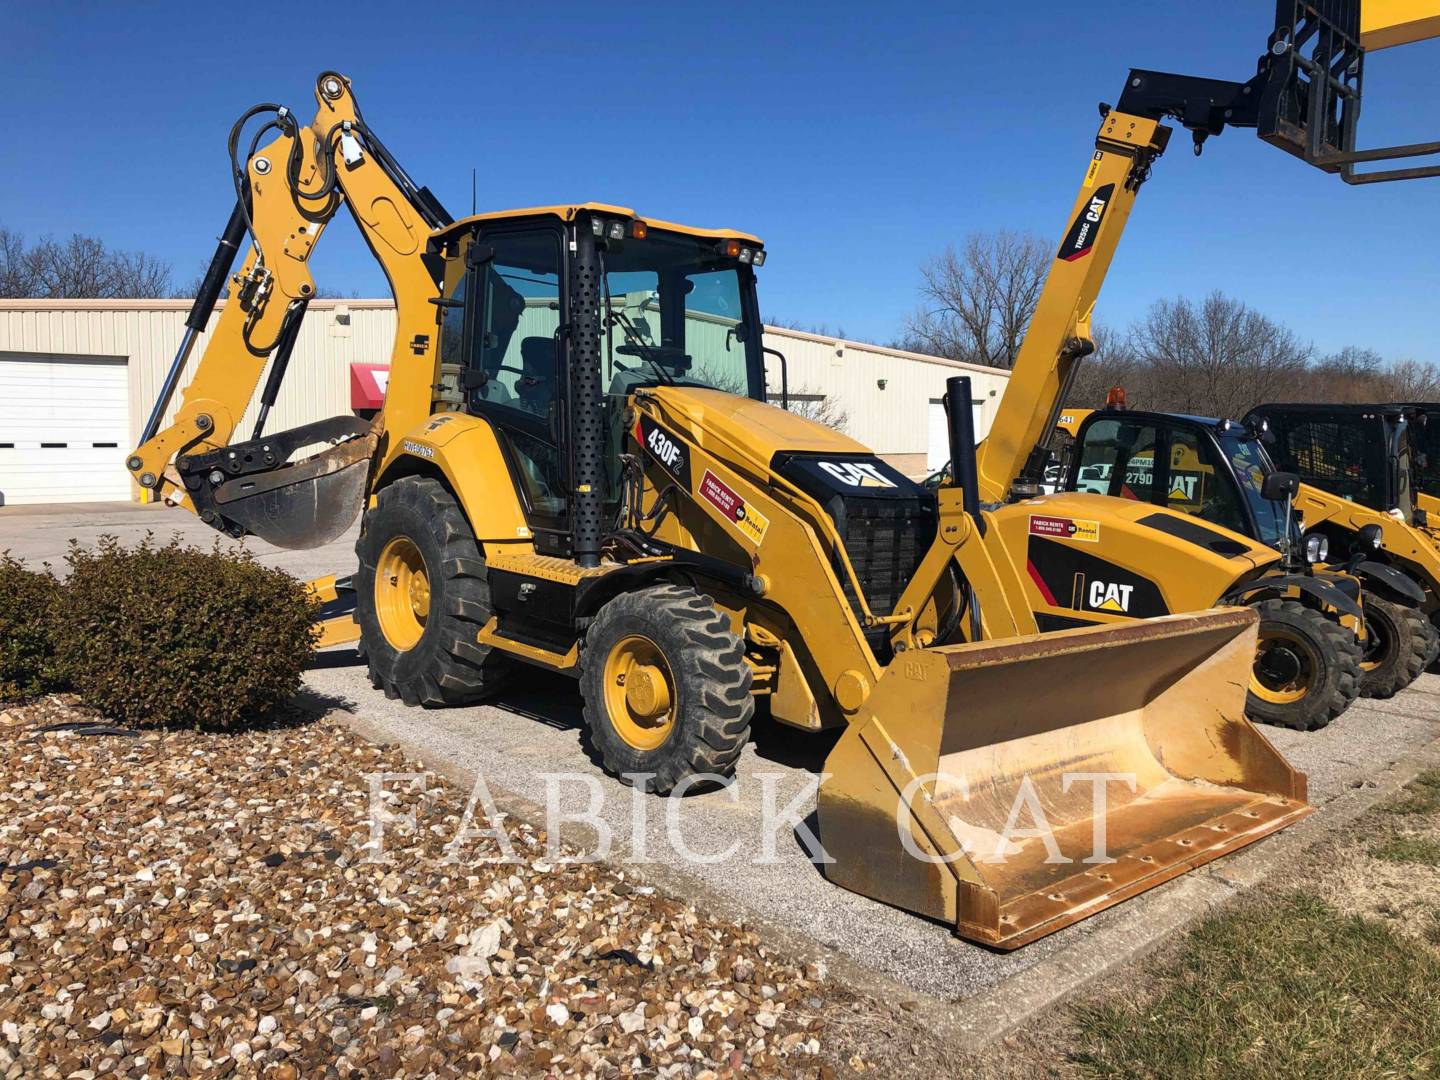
1065 528
728 501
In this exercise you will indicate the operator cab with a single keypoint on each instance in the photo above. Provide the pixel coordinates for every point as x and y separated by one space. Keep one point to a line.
1361 453
673 305
1201 466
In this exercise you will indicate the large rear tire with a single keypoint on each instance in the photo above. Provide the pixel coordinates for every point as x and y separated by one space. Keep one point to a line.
1307 668
1397 643
666 687
421 595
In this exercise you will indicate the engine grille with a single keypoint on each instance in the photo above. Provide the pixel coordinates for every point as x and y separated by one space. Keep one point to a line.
885 539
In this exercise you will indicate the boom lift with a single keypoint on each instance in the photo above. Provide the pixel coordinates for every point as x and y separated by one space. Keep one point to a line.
575 467
1091 559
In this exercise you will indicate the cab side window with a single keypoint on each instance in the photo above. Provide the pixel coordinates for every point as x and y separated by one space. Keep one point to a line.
1199 484
517 341
1117 458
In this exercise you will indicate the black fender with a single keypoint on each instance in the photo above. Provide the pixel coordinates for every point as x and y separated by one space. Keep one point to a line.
1405 589
1326 592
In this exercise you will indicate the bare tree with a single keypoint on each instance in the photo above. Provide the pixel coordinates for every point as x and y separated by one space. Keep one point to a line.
1413 380
1218 357
821 408
81 268
978 301
1113 363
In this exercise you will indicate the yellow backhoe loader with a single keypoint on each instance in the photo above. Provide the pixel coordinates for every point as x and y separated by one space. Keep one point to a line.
575 467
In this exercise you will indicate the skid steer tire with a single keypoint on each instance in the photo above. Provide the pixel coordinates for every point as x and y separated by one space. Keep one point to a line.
666 688
1313 674
1396 647
421 594
1432 649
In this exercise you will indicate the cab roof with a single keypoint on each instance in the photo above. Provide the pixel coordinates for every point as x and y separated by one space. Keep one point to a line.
570 211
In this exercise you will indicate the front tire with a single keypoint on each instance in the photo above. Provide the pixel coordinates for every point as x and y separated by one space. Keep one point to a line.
1307 668
666 687
421 594
1396 647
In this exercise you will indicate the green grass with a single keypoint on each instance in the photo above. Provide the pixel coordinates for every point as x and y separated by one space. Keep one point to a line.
1420 796
1409 849
1285 986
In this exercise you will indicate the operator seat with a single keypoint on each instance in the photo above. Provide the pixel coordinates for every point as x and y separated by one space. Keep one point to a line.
535 388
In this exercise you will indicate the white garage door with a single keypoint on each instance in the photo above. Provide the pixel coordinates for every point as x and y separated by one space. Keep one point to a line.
937 444
64 429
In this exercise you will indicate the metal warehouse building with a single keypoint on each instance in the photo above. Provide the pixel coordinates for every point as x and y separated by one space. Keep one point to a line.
78 377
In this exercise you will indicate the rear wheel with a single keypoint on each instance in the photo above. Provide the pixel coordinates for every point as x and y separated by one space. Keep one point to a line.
666 687
1432 650
421 595
1307 668
1397 643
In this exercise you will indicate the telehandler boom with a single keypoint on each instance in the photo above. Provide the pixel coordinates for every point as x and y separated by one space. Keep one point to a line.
575 467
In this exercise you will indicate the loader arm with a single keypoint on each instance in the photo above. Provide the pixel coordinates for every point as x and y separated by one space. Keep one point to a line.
292 187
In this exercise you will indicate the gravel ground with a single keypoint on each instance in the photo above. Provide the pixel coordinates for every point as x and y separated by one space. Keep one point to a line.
207 904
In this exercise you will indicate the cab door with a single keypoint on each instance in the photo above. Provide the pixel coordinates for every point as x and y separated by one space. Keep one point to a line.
515 365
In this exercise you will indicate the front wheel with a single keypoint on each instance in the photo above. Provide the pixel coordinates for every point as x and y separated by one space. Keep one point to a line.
1307 668
1397 645
666 688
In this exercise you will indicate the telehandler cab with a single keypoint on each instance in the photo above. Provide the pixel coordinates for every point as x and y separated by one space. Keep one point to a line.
564 473
1218 471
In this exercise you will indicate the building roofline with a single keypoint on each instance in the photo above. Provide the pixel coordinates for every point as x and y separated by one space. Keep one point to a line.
380 304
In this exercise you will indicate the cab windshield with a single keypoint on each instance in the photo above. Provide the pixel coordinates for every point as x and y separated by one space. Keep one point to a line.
677 312
1250 465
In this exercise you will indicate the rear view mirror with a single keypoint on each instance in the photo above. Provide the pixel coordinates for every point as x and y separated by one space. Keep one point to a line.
1279 485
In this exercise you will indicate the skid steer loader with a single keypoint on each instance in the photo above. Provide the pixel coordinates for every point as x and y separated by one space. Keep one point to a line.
1357 487
1218 471
575 467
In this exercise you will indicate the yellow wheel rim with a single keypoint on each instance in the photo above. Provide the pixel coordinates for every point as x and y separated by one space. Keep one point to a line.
1285 666
639 693
402 593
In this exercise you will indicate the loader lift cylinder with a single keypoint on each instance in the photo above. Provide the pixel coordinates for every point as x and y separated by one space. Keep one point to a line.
226 249
585 415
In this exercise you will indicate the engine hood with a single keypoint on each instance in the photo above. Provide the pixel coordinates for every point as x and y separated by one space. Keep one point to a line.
759 430
1193 532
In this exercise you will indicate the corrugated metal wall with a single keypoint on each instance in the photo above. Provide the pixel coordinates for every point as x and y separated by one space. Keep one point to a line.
146 333
892 420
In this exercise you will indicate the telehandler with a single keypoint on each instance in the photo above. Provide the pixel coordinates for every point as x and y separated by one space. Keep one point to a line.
1358 488
562 474
1219 471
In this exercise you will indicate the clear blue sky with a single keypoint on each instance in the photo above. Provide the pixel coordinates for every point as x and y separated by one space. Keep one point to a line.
857 139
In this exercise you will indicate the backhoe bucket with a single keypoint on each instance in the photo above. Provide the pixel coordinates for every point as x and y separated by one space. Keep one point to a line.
304 504
1012 788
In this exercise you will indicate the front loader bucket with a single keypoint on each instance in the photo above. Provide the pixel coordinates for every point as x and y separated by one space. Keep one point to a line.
1012 788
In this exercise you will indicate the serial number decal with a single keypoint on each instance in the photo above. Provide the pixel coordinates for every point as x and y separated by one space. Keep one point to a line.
419 449
728 501
1065 528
